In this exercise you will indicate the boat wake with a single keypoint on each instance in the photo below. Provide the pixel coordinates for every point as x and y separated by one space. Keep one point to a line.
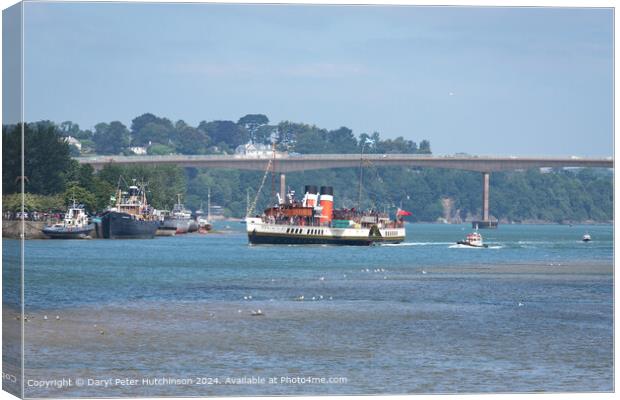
464 246
414 244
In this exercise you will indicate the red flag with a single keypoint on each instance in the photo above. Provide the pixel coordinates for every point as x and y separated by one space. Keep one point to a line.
403 213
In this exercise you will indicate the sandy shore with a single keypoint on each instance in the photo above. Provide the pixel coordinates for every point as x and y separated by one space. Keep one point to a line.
223 338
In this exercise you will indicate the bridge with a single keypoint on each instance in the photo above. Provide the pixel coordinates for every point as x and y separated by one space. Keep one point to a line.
284 163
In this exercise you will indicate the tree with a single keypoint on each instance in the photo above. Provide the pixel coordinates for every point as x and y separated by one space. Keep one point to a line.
396 146
140 122
84 135
252 122
425 147
160 150
226 132
265 133
11 158
69 128
110 138
46 157
151 128
81 196
153 133
191 141
311 141
342 140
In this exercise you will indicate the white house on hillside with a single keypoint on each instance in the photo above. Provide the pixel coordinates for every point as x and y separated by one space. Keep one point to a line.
73 142
254 150
138 150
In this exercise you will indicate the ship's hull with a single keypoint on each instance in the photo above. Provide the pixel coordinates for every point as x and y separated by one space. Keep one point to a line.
193 226
464 243
68 233
180 225
260 233
117 225
165 232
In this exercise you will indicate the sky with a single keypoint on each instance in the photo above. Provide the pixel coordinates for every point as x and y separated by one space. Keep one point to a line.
487 81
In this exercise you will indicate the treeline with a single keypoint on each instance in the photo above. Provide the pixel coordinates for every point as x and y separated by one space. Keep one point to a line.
160 136
52 177
521 196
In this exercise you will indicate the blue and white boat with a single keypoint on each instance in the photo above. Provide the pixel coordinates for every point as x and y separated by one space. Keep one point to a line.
75 225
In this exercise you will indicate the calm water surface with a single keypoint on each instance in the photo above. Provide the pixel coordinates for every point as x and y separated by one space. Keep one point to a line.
534 312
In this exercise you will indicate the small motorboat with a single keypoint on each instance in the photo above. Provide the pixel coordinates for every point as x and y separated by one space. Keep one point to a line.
473 239
586 238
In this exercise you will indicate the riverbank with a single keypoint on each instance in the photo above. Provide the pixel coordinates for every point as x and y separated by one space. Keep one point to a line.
31 229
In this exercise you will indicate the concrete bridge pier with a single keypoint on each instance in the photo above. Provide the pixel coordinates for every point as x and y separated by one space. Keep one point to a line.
283 188
485 223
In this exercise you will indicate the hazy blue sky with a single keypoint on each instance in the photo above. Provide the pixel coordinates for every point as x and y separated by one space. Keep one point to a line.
508 81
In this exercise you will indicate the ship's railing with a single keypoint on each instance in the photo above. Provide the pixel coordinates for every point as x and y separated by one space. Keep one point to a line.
301 221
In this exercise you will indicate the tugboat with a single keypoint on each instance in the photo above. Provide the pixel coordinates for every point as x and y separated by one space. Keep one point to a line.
179 219
474 239
75 225
163 229
131 217
313 220
586 238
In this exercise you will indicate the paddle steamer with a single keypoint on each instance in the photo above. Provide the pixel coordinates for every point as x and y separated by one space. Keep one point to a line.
313 220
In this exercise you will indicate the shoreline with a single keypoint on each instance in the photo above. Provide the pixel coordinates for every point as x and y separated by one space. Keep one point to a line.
11 229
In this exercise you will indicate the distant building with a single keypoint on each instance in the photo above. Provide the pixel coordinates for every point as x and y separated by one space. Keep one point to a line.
73 142
254 150
138 150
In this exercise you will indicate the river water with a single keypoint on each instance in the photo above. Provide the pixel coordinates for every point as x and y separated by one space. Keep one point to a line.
533 312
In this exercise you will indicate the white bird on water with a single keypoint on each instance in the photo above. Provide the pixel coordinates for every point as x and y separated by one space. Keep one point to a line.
45 317
520 304
57 317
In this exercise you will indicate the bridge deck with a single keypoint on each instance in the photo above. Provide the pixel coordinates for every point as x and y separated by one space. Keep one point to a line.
289 163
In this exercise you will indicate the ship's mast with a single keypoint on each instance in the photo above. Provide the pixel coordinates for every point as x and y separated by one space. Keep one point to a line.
359 197
273 175
208 204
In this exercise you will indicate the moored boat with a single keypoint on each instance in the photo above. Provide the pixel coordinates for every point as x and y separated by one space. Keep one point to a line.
75 225
131 217
586 237
179 218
